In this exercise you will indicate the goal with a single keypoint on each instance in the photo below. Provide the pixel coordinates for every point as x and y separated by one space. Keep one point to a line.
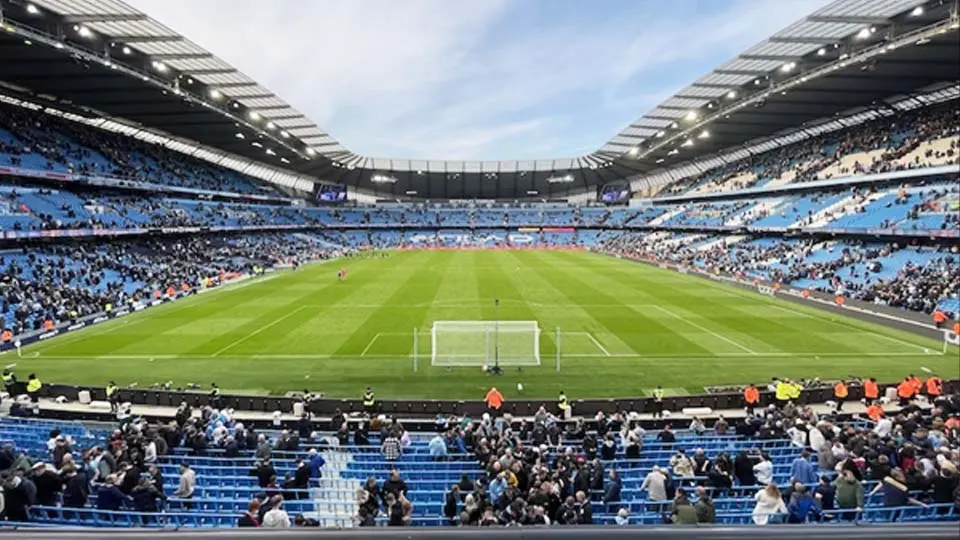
485 343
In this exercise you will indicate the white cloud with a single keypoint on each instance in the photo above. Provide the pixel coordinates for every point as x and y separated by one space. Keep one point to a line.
478 79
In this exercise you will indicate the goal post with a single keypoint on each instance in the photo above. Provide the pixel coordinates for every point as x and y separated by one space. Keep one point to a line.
485 343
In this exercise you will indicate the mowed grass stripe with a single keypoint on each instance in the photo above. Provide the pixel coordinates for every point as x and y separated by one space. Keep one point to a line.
326 294
738 321
642 334
830 319
419 286
554 309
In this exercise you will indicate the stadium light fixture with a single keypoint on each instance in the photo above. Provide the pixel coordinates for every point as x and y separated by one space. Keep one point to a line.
27 42
216 94
270 152
383 179
59 45
634 151
270 125
239 135
691 116
704 135
83 31
254 115
788 67
821 52
864 33
659 134
661 160
687 143
256 144
532 192
127 50
311 152
674 125
32 9
673 152
159 66
565 179
732 94
284 134
917 11
411 192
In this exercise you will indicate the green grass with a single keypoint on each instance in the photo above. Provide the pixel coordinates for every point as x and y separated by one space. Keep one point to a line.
625 328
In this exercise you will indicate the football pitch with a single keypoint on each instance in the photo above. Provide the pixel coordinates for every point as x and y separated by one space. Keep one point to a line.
624 328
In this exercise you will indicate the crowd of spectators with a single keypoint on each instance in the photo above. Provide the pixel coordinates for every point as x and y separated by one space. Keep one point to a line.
66 282
806 159
917 286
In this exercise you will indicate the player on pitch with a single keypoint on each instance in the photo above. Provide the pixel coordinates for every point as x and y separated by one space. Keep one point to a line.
342 274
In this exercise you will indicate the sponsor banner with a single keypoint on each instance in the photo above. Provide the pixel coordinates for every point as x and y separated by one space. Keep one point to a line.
45 335
156 302
76 326
121 313
951 337
138 307
763 289
100 319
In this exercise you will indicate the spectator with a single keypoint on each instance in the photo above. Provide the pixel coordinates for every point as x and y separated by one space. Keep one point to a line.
275 517
109 496
391 448
655 484
187 485
683 512
825 493
394 485
849 495
706 512
316 464
48 484
769 505
611 494
249 518
77 488
438 448
265 473
145 496
763 471
802 470
451 504
802 507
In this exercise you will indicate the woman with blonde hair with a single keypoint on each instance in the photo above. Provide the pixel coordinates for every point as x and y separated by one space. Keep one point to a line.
769 503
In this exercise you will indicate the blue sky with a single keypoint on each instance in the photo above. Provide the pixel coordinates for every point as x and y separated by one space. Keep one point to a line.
484 79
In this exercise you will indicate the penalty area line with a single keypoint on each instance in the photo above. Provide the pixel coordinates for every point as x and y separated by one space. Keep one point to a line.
705 329
372 341
598 344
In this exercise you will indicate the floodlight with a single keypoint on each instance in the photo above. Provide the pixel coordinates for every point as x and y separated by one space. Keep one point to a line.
383 179
239 135
310 152
687 143
27 42
661 160
821 52
84 31
788 67
127 50
216 94
659 134
257 144
59 45
673 152
284 160
634 151
284 134
159 66
529 192
254 115
270 125
917 11
691 116
32 9
863 33
271 152
732 94
704 135
411 192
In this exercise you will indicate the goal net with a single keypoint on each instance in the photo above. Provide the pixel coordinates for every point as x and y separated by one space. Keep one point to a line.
485 343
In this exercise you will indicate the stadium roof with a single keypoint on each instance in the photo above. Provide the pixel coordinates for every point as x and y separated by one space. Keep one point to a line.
106 56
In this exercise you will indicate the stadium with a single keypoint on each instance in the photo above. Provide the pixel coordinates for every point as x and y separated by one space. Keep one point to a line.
740 315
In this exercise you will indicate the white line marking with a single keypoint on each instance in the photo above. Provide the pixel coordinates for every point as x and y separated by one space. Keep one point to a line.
597 343
705 329
261 329
848 325
372 340
763 357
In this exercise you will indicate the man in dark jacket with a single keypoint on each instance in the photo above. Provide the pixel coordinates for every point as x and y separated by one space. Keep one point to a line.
706 512
156 478
584 509
451 504
109 496
611 495
264 473
743 469
394 485
17 499
301 478
77 489
145 497
48 485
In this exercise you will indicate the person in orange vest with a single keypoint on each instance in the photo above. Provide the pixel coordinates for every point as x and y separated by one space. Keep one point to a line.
934 387
840 393
939 318
494 400
905 391
48 324
956 328
7 335
871 392
875 411
751 395
916 384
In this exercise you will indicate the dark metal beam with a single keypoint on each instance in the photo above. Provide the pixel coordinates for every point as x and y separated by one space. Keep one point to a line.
776 57
750 72
180 56
726 86
212 71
